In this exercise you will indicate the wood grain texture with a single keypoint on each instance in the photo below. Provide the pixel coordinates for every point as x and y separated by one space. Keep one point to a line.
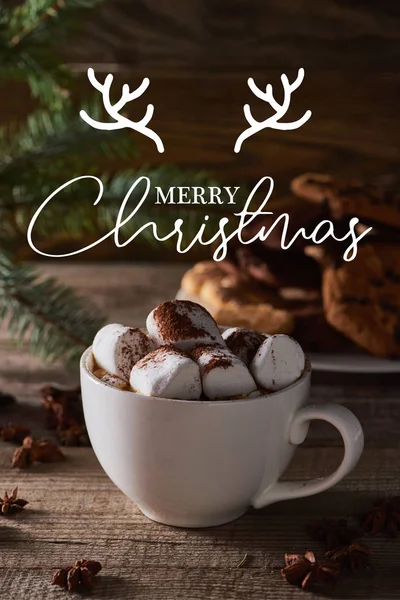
76 512
221 36
353 130
199 55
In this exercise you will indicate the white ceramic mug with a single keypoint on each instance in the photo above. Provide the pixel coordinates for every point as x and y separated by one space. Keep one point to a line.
199 464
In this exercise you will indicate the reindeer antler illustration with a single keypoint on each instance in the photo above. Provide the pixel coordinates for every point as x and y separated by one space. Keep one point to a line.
120 122
280 109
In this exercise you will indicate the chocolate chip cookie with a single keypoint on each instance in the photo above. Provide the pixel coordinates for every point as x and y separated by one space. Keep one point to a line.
238 303
232 289
313 331
258 317
378 201
277 268
362 299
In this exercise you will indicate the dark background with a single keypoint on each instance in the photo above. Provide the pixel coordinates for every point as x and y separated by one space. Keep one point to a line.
199 54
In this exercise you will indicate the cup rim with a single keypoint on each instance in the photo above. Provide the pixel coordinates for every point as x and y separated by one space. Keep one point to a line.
85 369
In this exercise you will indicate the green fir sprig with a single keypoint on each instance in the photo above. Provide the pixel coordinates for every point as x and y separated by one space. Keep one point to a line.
50 317
50 148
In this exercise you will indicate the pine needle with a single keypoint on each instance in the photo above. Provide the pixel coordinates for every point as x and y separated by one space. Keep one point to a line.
52 147
50 317
243 561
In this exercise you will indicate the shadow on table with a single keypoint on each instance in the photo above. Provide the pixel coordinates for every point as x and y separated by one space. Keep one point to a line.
10 533
263 537
28 415
113 586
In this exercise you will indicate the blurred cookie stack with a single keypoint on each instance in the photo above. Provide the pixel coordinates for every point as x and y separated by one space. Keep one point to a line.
308 290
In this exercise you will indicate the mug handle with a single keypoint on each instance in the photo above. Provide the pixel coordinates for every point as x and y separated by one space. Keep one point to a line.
351 431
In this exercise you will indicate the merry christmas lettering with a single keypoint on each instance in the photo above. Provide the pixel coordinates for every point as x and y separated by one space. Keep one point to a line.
204 196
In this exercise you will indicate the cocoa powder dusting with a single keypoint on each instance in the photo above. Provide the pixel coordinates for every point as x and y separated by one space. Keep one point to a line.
218 359
142 345
173 325
201 349
126 357
131 349
220 362
159 355
245 344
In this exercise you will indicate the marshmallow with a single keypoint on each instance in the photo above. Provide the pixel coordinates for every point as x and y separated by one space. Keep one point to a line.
167 373
117 348
244 343
278 362
183 324
223 375
115 381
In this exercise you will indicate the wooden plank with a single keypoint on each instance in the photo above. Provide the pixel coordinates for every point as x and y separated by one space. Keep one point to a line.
238 36
353 130
97 521
199 56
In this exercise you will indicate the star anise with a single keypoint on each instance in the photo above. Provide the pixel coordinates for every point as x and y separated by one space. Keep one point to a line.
10 505
64 413
306 572
14 433
74 436
350 558
33 450
333 533
44 451
22 458
63 406
78 576
383 516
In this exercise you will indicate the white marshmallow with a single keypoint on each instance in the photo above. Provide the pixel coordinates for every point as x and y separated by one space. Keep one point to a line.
182 323
243 342
115 381
278 362
223 375
117 348
167 373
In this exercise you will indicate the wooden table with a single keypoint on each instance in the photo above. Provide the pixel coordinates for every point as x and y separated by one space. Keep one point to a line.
75 511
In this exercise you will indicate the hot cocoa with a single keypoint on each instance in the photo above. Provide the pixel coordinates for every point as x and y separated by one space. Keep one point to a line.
184 356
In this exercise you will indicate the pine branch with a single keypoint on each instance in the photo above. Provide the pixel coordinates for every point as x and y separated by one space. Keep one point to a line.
57 142
30 34
50 149
51 317
38 157
30 16
38 17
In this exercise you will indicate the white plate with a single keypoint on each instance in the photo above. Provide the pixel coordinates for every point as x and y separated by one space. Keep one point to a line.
335 362
353 363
